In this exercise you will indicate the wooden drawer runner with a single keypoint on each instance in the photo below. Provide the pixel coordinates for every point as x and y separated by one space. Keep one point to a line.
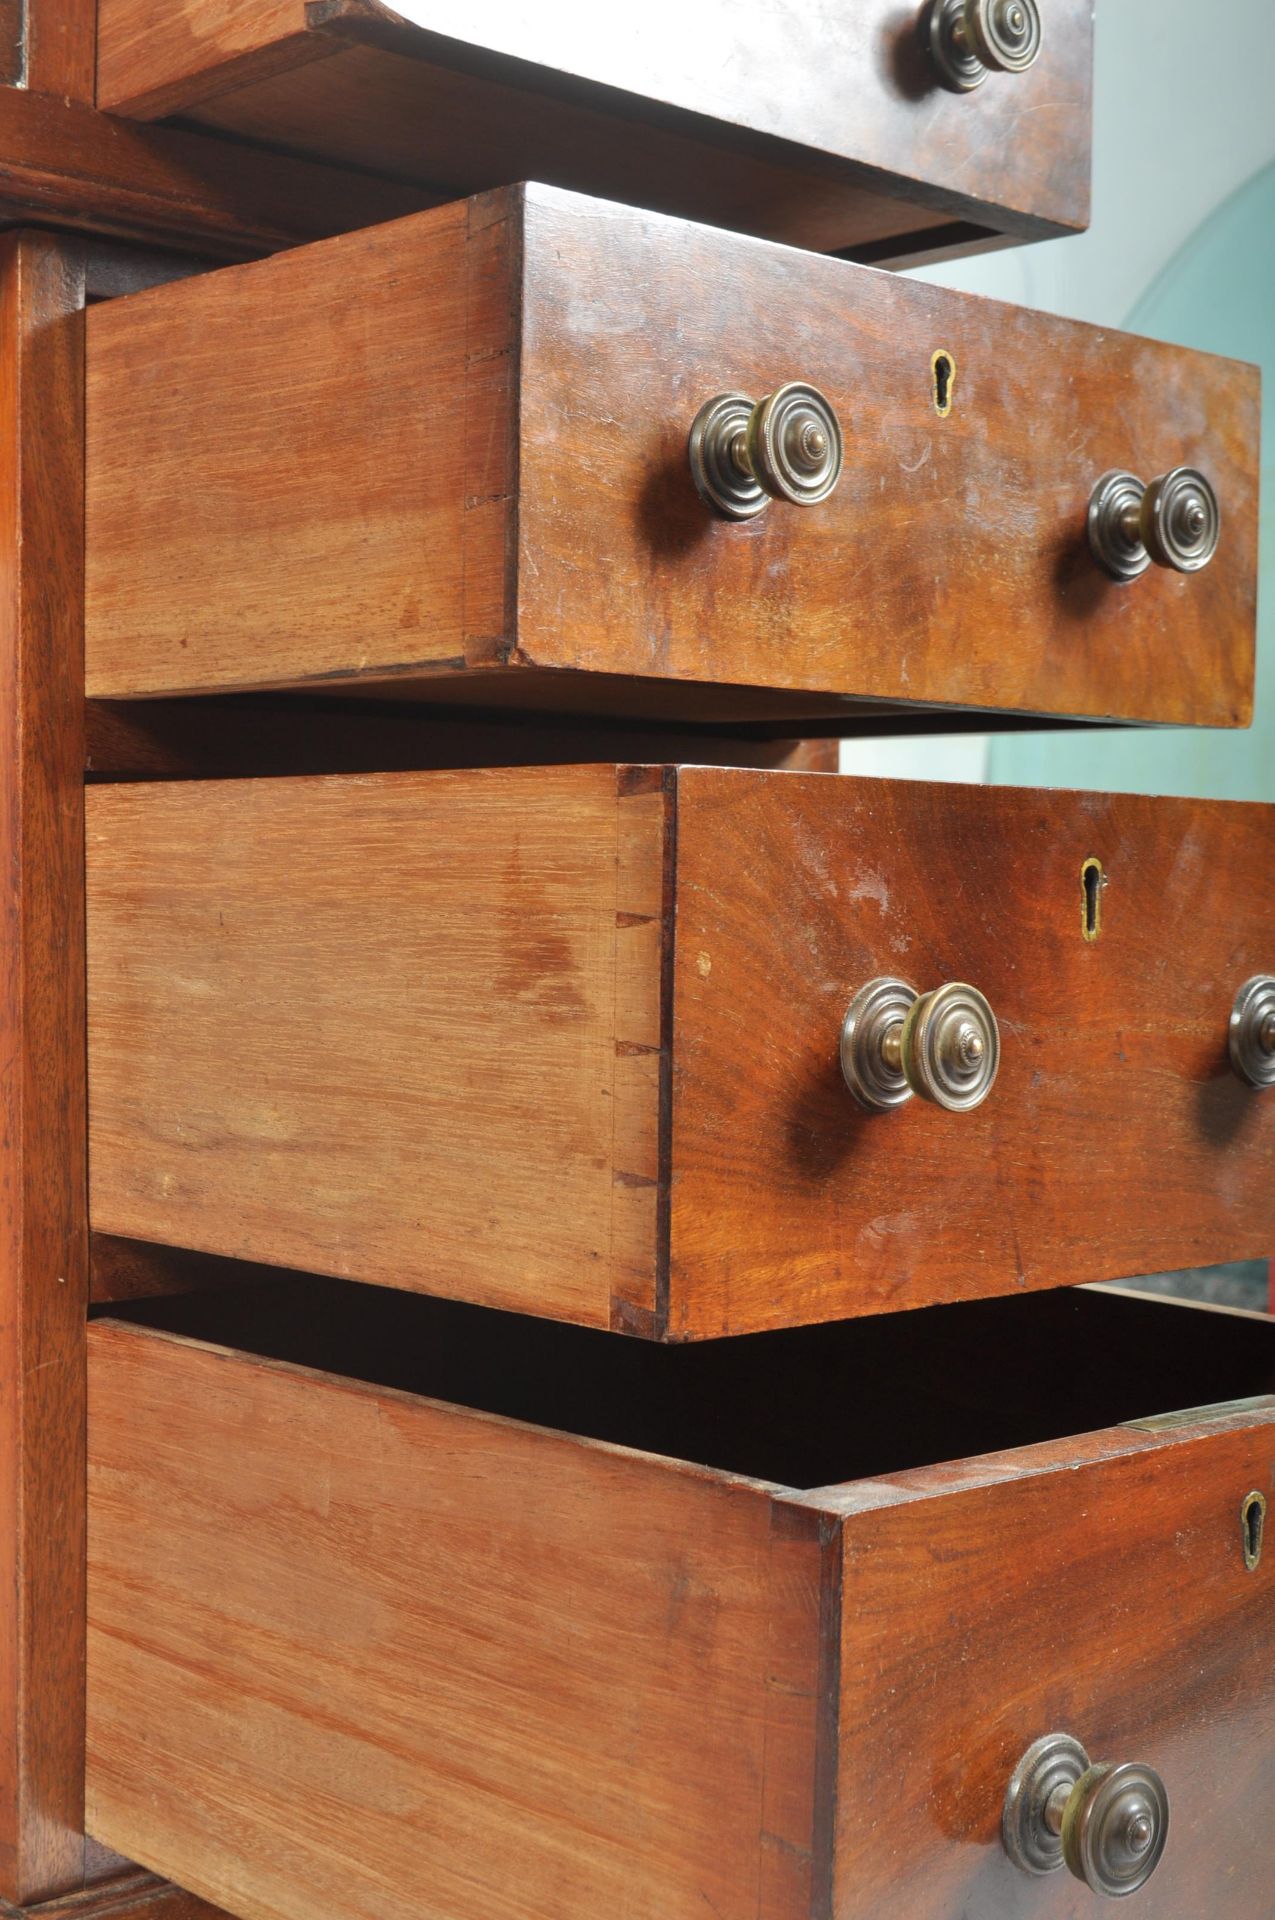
448 458
566 1040
824 126
356 1650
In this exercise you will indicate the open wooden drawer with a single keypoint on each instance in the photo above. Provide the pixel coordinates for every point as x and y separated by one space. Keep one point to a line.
507 1618
834 125
576 1041
488 456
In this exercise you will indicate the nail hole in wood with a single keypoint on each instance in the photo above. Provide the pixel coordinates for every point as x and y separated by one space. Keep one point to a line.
944 370
1253 1523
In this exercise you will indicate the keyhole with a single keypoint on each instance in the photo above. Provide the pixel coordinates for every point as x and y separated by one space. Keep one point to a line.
944 369
1253 1525
1092 882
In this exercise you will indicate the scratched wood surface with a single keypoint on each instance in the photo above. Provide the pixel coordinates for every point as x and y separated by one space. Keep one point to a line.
454 464
355 1651
488 1036
1116 1140
1108 1599
476 1113
633 1680
823 126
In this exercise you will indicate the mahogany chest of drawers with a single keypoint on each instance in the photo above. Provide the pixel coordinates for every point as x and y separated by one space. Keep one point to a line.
409 575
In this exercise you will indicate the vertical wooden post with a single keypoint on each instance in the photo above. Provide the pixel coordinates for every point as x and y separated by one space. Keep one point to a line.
59 48
43 1272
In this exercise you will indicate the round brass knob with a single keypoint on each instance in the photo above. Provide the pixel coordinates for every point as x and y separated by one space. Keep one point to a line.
970 38
896 1042
1175 521
1251 1032
746 453
1107 1824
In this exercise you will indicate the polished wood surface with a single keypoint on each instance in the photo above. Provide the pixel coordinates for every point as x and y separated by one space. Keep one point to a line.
1102 1596
1116 1139
822 125
470 480
542 1038
64 165
43 1273
638 1680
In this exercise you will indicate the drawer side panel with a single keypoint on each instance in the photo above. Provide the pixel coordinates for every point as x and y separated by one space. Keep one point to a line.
300 469
355 1652
401 1029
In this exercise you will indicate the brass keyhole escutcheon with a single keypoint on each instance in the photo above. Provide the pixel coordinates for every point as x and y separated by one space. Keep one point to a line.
1092 882
1252 1527
943 371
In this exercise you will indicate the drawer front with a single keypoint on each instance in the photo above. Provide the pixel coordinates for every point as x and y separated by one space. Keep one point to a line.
825 126
543 1038
1116 1139
352 1649
452 454
1101 1592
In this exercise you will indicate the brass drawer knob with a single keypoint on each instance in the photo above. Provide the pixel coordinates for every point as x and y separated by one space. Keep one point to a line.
944 1046
1176 521
1251 1035
746 453
968 39
1106 1824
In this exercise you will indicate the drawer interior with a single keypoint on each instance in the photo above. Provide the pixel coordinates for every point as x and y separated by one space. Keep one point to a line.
811 1407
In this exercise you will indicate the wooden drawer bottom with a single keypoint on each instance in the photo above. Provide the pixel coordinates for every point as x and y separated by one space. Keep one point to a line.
369 1637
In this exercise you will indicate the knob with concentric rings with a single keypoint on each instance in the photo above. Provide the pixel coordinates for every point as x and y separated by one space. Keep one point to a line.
1251 1031
745 453
968 39
1107 1824
943 1046
1175 521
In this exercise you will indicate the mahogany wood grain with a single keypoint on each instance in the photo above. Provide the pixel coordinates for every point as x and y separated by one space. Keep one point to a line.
62 164
334 1627
43 1278
1116 1140
543 1038
821 125
455 462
